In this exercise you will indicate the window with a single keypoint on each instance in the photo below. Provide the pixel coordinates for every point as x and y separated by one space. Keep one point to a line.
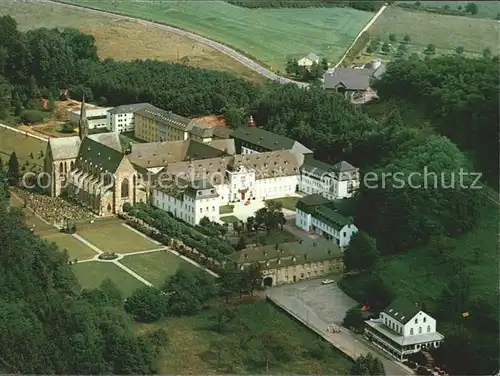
428 328
124 187
411 331
425 319
419 330
416 321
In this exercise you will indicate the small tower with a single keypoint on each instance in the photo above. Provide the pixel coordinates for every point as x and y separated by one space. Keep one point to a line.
83 124
251 123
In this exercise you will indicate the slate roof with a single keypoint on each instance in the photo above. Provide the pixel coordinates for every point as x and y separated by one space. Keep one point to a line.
110 139
221 132
314 166
165 117
310 250
128 108
331 217
343 166
160 154
402 310
201 130
64 147
100 155
265 139
313 57
226 145
269 164
309 203
350 78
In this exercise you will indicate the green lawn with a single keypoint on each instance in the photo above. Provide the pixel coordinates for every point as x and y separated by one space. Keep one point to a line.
12 141
486 9
229 219
155 267
445 32
190 337
287 202
76 249
417 276
269 35
91 274
117 239
226 209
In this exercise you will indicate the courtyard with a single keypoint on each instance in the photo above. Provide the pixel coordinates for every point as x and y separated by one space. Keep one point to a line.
113 237
76 249
155 267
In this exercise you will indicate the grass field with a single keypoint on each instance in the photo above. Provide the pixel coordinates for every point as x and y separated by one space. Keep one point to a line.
142 42
229 219
269 35
288 202
189 343
445 32
12 141
91 274
116 238
417 276
155 267
486 9
76 249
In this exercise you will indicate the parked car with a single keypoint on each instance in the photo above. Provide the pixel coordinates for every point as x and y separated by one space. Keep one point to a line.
327 281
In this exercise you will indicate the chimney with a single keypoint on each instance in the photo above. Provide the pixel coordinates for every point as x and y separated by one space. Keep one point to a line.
251 123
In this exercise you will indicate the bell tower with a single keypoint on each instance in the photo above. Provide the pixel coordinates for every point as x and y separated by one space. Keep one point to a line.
83 124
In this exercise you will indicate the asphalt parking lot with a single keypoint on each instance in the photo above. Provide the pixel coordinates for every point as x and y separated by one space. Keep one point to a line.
321 304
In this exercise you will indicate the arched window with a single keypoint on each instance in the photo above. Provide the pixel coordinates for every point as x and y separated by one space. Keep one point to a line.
411 331
428 328
125 188
61 168
72 165
419 330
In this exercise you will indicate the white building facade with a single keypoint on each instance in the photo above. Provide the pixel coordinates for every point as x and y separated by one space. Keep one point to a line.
122 118
314 214
97 118
403 329
191 205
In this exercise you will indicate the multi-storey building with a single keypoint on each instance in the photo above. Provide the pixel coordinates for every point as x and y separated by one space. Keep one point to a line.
314 213
122 118
336 181
403 329
292 262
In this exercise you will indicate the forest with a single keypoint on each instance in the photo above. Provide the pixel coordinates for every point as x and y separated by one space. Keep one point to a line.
458 94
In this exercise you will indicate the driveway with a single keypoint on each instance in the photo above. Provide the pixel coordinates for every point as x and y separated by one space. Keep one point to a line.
319 306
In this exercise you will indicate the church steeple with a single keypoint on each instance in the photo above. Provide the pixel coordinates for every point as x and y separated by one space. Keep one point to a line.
83 125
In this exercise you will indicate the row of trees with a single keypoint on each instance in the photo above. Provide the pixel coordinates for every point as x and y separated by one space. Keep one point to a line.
211 246
361 5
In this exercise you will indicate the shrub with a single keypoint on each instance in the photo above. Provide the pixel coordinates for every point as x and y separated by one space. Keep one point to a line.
32 116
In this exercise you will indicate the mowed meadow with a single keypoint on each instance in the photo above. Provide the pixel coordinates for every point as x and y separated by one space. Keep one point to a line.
267 35
445 32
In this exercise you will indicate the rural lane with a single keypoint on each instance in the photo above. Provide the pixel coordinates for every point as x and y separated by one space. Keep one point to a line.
208 42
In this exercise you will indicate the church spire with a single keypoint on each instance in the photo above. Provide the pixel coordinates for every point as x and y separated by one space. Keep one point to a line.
83 125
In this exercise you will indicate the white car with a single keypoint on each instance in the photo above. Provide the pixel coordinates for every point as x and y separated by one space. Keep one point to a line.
327 281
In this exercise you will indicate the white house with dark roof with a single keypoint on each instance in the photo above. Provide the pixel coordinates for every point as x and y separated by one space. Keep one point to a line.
189 201
403 329
354 83
309 60
337 181
314 213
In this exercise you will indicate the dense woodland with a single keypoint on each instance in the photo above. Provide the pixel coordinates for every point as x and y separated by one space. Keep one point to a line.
361 5
458 95
46 324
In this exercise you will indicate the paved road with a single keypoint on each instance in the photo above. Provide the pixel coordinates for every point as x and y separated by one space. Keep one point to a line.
318 306
216 45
